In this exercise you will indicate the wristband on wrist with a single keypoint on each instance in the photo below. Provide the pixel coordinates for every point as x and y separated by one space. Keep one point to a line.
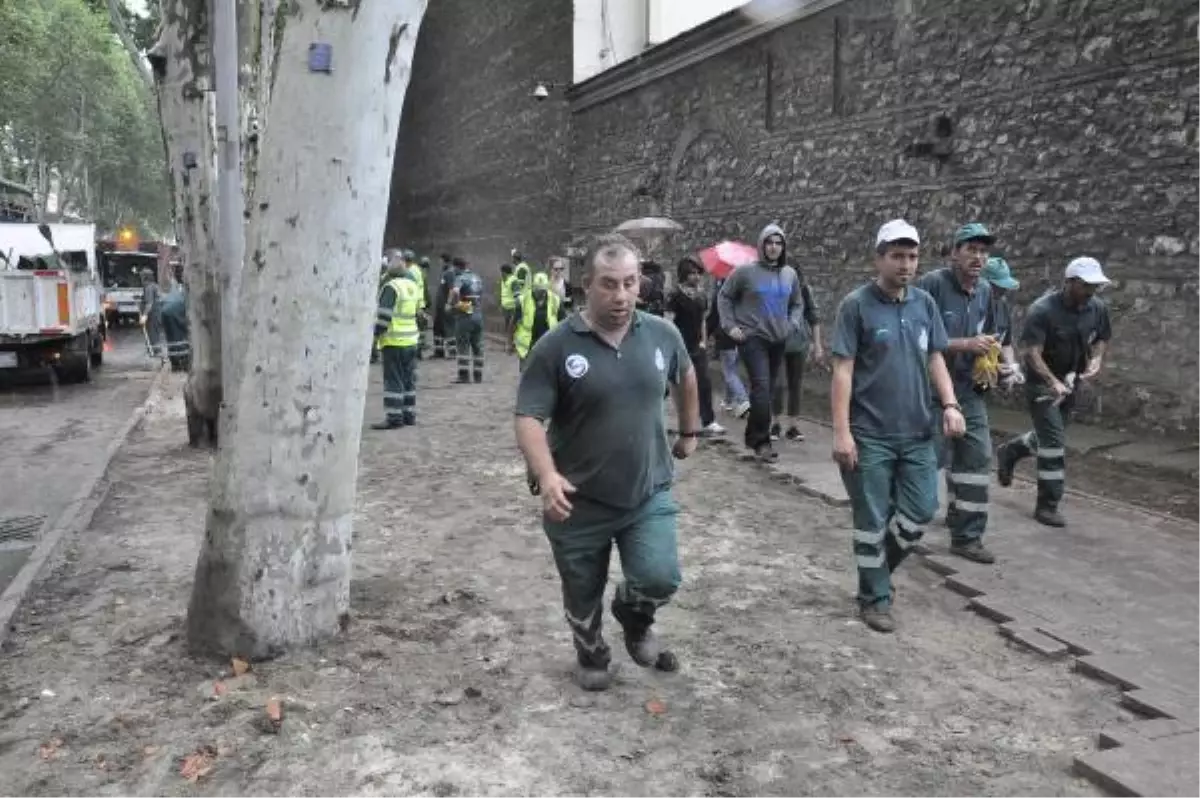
948 405
683 434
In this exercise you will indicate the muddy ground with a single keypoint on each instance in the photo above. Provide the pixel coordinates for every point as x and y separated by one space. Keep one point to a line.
452 677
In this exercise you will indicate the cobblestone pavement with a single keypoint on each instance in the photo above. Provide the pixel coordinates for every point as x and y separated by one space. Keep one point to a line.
453 676
51 436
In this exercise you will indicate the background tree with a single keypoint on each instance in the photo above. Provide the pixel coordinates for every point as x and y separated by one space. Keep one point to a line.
274 570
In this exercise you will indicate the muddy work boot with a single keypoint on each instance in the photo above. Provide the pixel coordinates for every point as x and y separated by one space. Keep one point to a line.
1006 463
643 645
593 677
973 550
766 453
1049 517
878 616
388 424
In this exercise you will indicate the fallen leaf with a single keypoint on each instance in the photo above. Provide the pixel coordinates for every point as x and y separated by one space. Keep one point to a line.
656 707
240 666
219 689
275 713
198 764
49 749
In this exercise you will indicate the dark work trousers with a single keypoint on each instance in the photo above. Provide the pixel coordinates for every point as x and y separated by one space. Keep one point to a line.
469 331
792 382
400 384
1047 442
762 359
582 545
704 386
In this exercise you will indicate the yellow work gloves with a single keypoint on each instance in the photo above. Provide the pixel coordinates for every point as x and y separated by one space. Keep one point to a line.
986 372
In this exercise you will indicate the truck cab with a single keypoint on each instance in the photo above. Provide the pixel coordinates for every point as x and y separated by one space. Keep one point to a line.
121 276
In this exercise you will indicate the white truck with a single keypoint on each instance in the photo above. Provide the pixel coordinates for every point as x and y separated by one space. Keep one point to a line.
50 299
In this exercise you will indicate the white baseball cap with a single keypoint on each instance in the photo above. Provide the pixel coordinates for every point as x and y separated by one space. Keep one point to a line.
1088 270
897 230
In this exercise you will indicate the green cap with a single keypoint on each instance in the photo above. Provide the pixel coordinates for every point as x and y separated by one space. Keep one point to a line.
973 232
996 272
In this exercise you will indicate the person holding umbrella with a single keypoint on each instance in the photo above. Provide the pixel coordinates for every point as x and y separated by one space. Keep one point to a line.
720 260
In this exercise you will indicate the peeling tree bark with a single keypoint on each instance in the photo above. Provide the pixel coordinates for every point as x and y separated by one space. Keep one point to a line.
274 570
187 114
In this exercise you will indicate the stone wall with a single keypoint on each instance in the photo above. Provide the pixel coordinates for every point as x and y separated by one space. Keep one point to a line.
1069 127
482 167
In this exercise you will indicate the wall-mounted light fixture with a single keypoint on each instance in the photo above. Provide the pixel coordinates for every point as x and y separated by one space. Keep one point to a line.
542 90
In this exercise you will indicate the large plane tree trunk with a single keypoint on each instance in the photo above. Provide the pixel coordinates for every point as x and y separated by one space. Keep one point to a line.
186 109
274 570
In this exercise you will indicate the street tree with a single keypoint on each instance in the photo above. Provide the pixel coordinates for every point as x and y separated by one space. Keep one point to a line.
274 570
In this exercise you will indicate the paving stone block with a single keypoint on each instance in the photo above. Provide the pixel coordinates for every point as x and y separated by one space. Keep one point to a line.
1164 767
1073 640
1160 703
1141 731
996 609
1032 639
1109 669
940 565
965 585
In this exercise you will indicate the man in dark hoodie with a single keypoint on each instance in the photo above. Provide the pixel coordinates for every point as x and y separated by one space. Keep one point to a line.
759 307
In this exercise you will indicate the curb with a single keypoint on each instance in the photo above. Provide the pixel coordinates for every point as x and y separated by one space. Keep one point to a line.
74 518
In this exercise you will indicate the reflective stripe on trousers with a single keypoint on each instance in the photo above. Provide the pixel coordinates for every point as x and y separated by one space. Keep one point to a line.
1047 442
968 472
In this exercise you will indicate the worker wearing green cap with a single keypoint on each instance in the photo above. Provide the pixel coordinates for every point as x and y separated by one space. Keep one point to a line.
997 272
965 301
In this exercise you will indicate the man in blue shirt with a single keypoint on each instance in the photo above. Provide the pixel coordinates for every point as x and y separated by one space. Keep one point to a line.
888 344
964 301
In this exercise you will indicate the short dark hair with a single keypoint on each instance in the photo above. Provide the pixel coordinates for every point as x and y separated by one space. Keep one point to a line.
687 264
446 256
608 247
506 268
461 263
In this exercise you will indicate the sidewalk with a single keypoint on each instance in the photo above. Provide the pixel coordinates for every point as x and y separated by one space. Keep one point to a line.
453 674
1116 591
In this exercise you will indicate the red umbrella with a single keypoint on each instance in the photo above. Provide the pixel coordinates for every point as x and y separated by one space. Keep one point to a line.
721 259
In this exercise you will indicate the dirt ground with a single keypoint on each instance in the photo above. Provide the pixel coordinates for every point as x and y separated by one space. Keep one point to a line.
452 677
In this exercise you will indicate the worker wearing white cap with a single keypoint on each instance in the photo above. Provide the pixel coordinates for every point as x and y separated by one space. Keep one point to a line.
1063 341
887 346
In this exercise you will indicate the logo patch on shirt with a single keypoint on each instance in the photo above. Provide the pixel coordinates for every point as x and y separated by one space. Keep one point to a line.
659 361
576 366
923 340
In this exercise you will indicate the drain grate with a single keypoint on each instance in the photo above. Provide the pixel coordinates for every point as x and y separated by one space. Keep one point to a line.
21 527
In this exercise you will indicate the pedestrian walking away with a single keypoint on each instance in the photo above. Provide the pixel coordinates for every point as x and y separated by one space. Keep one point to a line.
688 305
443 330
964 302
804 345
539 312
887 347
466 300
604 465
175 327
399 338
151 312
737 399
759 306
1063 342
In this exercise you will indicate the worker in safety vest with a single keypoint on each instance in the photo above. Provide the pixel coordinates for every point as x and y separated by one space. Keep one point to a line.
398 337
508 302
383 280
539 312
521 271
418 276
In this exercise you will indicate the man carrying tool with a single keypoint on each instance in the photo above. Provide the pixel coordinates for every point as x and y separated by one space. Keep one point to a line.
964 302
398 336
466 301
1062 343
888 344
604 467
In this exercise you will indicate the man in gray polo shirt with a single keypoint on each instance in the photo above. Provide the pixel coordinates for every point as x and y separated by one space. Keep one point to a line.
605 468
888 345
964 301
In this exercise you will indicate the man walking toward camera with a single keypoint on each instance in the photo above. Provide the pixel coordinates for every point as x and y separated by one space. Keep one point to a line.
759 306
888 345
964 301
604 466
1063 342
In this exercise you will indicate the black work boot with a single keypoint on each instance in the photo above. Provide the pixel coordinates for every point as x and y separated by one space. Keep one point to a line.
643 645
973 550
878 616
1049 516
766 453
1005 464
591 675
388 424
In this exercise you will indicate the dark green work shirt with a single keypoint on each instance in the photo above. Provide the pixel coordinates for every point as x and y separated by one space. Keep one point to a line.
890 341
964 316
608 430
1064 334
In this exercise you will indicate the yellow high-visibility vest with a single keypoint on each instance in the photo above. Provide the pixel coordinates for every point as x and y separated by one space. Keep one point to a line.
523 334
403 331
418 277
508 298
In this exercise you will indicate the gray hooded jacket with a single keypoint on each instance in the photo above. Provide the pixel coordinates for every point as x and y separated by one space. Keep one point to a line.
764 300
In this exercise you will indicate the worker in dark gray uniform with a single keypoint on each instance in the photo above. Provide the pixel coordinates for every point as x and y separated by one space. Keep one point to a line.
887 347
604 467
965 302
1063 342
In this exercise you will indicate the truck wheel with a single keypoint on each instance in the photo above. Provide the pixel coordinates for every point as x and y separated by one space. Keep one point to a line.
75 364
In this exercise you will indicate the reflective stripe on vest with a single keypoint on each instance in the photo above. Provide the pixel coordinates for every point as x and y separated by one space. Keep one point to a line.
508 299
403 330
523 335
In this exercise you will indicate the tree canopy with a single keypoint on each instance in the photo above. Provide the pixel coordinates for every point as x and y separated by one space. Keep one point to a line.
76 119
